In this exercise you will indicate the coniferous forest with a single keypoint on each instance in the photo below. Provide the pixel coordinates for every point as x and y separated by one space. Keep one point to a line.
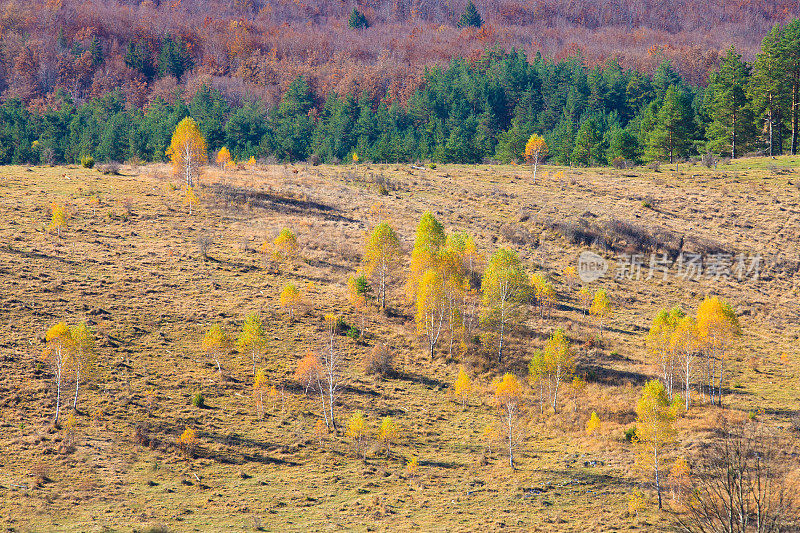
74 85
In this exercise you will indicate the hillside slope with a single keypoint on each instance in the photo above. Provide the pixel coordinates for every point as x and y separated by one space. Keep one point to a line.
131 267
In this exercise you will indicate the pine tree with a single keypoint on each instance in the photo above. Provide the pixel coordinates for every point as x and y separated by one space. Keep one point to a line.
768 88
731 126
669 137
587 144
96 51
790 66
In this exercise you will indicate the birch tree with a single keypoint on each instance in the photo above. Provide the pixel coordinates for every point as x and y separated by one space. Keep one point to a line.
655 429
381 255
505 289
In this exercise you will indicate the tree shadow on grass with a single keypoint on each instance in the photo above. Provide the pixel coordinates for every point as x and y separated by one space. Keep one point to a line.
429 382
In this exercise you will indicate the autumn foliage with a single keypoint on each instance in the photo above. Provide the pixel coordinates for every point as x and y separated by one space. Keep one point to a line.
187 151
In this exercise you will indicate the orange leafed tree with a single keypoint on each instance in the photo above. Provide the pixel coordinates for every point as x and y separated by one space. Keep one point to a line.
188 150
309 374
535 151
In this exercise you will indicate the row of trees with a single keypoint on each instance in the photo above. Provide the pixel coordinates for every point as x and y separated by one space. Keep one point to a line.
486 108
693 349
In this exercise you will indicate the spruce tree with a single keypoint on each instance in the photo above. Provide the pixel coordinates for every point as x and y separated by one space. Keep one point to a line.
357 20
470 17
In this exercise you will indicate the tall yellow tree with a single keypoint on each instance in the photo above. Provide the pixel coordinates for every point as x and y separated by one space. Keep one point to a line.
535 151
462 387
83 355
431 308
558 364
601 308
57 352
585 297
655 429
381 255
659 345
223 156
332 362
717 327
187 151
252 337
58 217
429 240
684 344
505 288
216 344
508 395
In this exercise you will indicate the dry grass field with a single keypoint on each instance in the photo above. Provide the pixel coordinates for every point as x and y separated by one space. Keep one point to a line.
132 268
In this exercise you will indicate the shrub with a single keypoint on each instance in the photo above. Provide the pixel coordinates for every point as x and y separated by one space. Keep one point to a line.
619 163
87 161
412 466
353 333
379 361
187 442
708 159
198 400
111 168
654 165
382 190
630 433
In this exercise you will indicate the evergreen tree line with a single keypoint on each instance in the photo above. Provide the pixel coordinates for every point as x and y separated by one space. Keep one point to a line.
466 112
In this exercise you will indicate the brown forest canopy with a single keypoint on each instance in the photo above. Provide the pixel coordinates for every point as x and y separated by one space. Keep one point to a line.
257 47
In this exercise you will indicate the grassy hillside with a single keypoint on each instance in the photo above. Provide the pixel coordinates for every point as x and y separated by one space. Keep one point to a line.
131 266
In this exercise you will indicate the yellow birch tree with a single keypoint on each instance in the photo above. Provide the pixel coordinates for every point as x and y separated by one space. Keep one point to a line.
655 429
187 151
535 151
252 337
381 255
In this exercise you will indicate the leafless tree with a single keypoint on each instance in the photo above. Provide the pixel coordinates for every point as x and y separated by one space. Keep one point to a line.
740 484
